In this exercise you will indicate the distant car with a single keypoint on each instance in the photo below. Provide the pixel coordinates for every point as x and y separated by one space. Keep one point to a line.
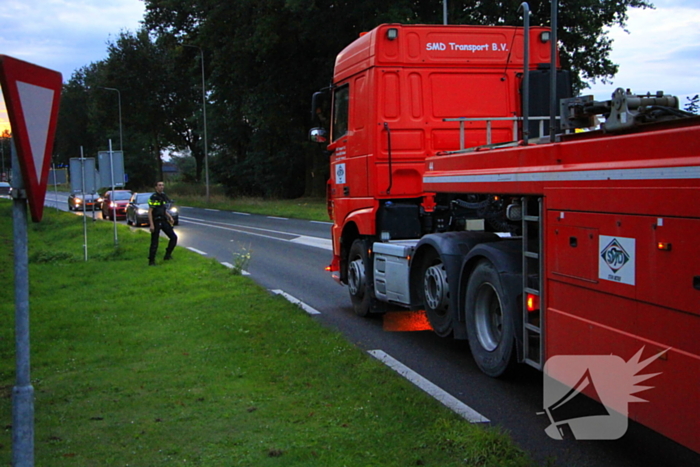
4 189
91 201
137 210
115 200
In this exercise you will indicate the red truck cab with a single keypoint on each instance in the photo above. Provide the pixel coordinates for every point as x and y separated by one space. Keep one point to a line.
394 90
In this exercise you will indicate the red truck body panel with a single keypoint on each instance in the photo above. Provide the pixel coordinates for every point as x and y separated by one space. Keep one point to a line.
640 186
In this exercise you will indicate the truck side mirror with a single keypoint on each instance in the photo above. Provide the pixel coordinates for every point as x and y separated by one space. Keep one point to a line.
318 135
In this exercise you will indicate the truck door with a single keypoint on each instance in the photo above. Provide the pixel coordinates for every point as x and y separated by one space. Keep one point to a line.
349 139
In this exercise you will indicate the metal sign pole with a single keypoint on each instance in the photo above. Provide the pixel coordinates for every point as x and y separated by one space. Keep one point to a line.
114 204
82 184
95 196
23 392
55 185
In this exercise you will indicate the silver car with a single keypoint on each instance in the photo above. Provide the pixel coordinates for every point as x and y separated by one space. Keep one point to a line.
137 210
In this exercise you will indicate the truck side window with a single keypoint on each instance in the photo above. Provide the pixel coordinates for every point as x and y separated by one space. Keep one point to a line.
340 112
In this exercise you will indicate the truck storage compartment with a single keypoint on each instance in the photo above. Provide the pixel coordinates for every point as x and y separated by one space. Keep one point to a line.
391 271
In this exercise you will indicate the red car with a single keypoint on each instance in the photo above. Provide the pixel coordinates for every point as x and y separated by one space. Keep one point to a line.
115 201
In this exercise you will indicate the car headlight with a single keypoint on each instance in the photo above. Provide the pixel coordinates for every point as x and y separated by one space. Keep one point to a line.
173 210
99 200
142 211
77 200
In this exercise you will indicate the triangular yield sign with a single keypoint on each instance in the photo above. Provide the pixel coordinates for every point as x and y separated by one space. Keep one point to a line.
32 95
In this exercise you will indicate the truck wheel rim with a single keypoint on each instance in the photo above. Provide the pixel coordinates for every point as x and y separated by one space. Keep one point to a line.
435 287
356 277
488 315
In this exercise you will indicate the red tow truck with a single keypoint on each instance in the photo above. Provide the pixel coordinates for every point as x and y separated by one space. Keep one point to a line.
448 195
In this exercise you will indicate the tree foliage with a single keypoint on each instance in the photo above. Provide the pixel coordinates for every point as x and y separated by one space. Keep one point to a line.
693 104
160 103
263 60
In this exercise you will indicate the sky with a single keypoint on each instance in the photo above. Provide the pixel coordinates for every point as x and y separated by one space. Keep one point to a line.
660 52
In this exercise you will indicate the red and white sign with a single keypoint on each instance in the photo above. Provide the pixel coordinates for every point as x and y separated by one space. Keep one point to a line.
32 94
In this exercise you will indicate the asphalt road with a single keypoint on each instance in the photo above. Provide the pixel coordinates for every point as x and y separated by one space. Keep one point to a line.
290 255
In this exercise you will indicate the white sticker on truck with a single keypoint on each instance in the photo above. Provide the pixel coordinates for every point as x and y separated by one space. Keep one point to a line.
616 259
340 174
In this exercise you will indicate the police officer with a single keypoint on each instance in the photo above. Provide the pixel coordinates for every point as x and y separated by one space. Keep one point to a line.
159 219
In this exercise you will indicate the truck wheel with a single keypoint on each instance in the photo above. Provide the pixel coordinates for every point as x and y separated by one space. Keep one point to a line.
358 285
489 323
436 297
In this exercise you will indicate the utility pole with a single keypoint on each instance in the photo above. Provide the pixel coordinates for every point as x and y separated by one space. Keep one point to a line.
204 114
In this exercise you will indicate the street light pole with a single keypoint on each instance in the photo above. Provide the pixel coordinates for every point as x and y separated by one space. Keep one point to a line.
204 114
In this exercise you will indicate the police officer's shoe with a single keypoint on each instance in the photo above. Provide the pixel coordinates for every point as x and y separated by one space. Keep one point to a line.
167 257
151 262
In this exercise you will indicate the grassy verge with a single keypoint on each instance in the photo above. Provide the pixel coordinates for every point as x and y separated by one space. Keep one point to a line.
187 364
302 208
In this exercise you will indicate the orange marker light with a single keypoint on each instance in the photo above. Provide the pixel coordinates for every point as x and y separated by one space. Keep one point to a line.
533 302
664 246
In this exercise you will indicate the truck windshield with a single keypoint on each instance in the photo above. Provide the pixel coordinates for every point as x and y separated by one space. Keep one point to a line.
340 112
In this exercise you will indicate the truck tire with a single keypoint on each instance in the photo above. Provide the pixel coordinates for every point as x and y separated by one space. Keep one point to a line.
358 283
490 326
436 296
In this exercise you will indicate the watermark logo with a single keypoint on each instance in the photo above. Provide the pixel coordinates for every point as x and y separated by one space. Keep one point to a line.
573 385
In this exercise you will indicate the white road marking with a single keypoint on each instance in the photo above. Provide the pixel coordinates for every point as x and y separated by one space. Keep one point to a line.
212 210
323 243
197 251
279 218
321 222
436 392
302 239
296 301
230 266
241 213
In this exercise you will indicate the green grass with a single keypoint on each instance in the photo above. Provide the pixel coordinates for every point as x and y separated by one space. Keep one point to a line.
186 194
301 208
188 364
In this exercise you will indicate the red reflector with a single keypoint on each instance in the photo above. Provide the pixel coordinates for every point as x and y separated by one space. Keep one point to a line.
533 302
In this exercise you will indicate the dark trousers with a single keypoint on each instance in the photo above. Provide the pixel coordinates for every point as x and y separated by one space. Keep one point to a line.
165 226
